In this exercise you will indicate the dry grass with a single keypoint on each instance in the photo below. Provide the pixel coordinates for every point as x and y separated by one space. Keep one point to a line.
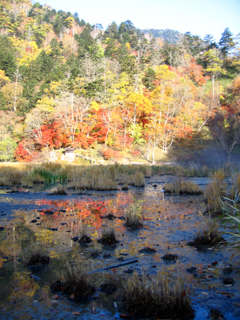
74 282
215 191
159 298
181 171
139 179
59 190
95 177
11 175
182 186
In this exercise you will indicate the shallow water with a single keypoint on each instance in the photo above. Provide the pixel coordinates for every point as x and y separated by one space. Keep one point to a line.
168 224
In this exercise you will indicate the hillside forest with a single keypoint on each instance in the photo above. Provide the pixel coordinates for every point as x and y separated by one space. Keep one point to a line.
112 93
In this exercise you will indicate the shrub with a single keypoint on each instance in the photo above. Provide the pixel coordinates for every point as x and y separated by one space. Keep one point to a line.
110 153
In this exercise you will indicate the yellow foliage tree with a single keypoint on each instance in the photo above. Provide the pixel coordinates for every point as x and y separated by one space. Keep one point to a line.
12 92
3 78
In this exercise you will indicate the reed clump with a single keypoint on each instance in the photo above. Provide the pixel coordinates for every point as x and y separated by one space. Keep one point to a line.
182 186
108 237
133 215
214 192
84 237
209 235
74 282
159 298
36 255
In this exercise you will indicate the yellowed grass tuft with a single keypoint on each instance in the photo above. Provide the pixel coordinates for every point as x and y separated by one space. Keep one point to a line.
158 298
215 191
182 186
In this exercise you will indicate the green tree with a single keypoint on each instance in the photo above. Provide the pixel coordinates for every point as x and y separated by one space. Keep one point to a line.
7 57
111 31
226 42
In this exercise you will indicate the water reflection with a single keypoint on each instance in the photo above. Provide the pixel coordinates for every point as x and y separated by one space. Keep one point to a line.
168 224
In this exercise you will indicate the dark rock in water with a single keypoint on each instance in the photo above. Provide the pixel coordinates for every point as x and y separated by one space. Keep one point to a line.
170 257
75 239
95 254
120 259
125 188
228 280
85 239
57 285
2 228
215 314
147 250
108 240
227 270
48 212
107 255
34 221
154 185
109 217
108 288
38 260
52 229
129 270
191 269
13 191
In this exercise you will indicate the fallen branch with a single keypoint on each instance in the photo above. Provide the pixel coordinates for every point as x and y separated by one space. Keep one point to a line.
116 266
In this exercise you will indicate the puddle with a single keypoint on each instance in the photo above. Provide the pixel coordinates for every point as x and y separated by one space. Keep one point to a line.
53 221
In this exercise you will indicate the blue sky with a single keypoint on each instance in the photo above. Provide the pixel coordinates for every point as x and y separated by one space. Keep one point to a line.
197 16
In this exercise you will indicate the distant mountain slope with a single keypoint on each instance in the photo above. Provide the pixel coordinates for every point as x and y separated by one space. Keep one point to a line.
167 34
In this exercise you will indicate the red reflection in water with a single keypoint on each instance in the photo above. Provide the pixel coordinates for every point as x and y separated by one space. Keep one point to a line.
84 211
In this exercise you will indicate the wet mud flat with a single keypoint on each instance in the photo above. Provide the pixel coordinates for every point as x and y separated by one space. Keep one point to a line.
168 224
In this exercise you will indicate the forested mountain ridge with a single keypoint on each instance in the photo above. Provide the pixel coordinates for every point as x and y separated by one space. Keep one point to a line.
66 83
169 35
